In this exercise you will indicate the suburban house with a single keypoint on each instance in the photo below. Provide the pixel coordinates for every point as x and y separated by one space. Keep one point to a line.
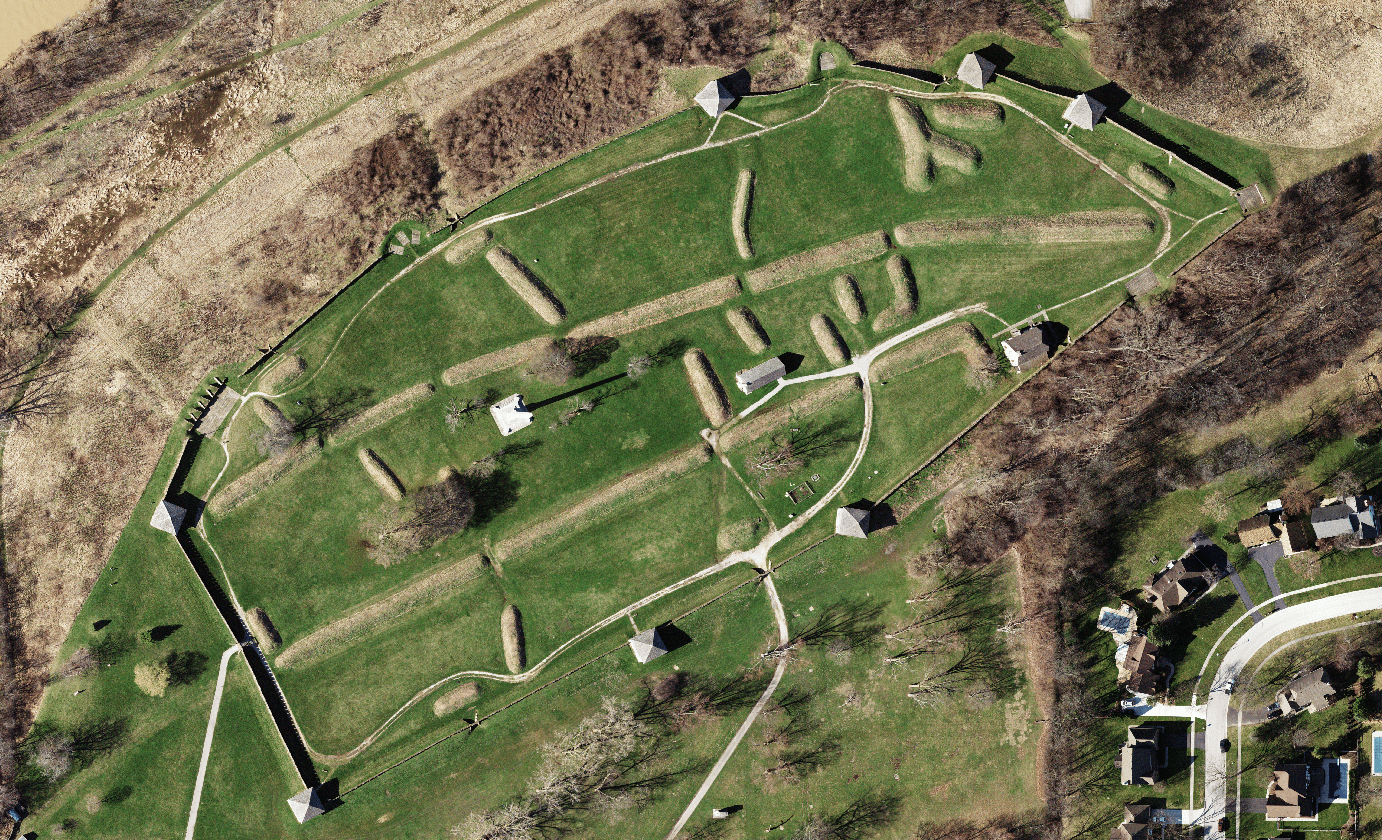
1258 530
1291 792
1140 758
1178 582
976 71
1136 824
1027 349
510 414
715 98
1139 666
1308 692
756 377
1084 111
1350 516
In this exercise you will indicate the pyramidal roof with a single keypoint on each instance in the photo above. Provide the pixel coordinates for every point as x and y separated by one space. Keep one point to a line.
510 414
852 522
168 517
976 71
648 645
715 98
306 805
1084 111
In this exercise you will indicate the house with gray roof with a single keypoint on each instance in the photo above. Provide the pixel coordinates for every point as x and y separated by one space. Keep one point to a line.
764 374
1136 825
1140 758
1308 692
1027 349
1354 516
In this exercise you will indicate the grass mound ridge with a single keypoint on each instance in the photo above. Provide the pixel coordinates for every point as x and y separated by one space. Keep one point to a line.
511 628
904 294
371 617
928 347
383 412
917 173
748 328
665 308
743 203
509 357
855 249
968 114
1153 180
765 422
383 477
828 338
458 697
468 246
262 475
1066 228
263 629
956 154
272 416
849 298
282 373
710 393
605 500
526 285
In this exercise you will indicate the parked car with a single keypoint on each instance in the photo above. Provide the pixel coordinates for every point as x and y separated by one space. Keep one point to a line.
1223 823
1224 745
1127 705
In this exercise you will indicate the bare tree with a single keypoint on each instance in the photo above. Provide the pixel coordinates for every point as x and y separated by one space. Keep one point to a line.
53 755
552 364
29 391
774 459
513 821
638 365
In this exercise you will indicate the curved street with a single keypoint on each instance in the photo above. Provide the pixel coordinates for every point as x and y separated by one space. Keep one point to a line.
1235 660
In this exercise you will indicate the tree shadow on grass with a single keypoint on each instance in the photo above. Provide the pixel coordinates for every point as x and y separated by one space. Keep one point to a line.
493 494
853 620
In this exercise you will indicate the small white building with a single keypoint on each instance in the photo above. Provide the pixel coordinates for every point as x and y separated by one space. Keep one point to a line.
715 98
1084 111
306 805
168 517
647 645
851 521
756 377
510 414
976 71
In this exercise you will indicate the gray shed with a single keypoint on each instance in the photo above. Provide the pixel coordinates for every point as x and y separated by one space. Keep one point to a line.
851 521
1084 111
648 645
168 517
976 71
756 377
715 98
306 805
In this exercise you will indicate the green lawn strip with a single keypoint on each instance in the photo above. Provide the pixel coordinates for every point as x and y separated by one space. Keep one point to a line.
1195 240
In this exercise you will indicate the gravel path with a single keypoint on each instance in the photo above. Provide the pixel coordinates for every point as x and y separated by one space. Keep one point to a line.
206 744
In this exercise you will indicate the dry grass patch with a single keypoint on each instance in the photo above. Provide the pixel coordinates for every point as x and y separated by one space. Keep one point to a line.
765 422
526 285
665 308
468 246
458 697
153 678
380 473
263 629
248 485
1066 228
924 349
509 357
1153 180
748 328
282 373
956 154
855 249
849 298
511 628
828 338
383 412
743 203
272 417
917 173
606 500
371 617
710 392
968 114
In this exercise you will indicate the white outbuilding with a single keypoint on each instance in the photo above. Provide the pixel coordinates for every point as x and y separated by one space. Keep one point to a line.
715 98
510 414
1084 111
976 71
168 517
765 374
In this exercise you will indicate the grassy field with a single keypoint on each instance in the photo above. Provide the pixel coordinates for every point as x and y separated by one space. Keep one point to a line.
828 166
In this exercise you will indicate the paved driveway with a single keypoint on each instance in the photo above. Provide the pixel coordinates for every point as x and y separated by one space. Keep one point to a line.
1266 557
1244 596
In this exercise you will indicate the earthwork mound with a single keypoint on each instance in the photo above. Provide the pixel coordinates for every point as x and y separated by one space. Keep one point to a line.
458 697
710 393
829 340
743 204
1151 179
526 285
263 629
380 473
282 373
850 300
749 330
968 114
511 627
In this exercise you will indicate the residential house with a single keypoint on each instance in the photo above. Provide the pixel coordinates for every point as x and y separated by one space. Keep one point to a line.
1291 792
1350 516
1140 758
1308 692
1136 825
1257 530
1178 582
1140 666
1028 348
